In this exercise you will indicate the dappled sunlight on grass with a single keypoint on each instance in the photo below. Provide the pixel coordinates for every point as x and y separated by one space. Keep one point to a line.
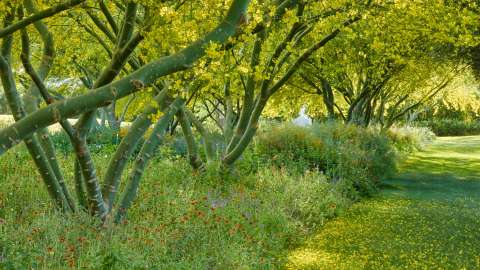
398 234
426 218
310 257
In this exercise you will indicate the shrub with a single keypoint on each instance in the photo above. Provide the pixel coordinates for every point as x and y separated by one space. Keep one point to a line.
98 139
410 138
291 146
307 200
362 156
452 127
345 153
102 138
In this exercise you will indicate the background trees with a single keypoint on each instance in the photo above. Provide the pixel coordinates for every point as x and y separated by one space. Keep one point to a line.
384 64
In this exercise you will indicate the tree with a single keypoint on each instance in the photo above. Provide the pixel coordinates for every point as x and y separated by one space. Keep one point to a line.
103 93
275 53
366 75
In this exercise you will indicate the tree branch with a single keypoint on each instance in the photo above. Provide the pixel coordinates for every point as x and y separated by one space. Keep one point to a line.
38 16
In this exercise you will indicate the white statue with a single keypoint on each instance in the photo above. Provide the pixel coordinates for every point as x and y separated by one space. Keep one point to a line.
302 119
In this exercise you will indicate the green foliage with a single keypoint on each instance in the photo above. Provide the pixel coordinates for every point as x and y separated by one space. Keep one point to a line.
410 138
308 200
345 153
452 127
460 101
98 139
287 144
399 52
103 138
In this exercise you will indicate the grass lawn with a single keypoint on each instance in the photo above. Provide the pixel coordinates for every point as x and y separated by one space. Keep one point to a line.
427 217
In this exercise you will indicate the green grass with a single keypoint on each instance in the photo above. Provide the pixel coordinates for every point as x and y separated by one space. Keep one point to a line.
427 217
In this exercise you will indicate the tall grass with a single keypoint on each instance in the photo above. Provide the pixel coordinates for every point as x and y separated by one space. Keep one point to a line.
410 138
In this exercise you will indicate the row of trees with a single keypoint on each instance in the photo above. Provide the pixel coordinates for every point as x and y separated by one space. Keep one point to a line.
160 63
390 65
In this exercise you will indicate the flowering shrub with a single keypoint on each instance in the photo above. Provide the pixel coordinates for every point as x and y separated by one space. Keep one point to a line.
353 156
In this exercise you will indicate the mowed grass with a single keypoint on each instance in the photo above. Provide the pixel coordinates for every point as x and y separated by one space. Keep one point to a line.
427 217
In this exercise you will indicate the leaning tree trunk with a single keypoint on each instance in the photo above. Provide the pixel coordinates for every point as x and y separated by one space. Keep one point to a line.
32 97
328 98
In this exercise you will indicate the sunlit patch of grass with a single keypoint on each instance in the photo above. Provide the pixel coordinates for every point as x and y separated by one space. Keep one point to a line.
309 257
396 234
426 218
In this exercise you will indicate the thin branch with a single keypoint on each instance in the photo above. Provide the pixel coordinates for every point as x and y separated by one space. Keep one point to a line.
38 16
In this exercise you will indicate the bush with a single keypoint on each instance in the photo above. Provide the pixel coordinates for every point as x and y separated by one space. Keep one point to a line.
345 153
357 155
103 138
410 138
98 139
306 200
452 127
291 146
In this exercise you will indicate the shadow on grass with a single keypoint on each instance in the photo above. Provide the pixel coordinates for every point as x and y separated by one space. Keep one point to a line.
424 186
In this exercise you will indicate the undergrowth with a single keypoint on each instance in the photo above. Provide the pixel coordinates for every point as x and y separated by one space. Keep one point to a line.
287 185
